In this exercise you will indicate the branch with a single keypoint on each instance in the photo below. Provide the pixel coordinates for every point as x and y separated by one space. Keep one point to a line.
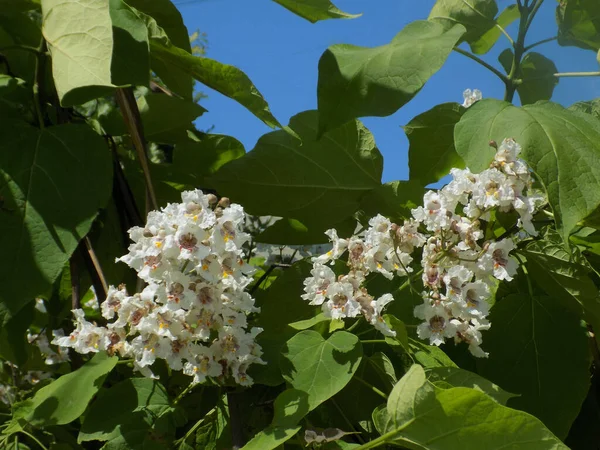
38 82
75 286
500 75
133 122
543 41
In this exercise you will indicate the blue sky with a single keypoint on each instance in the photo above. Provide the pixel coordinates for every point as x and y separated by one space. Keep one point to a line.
280 52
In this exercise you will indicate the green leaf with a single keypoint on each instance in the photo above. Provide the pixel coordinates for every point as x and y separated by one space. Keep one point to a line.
289 408
477 16
130 62
167 17
456 377
524 360
562 273
319 367
280 306
316 180
174 65
96 45
19 28
538 81
394 200
384 368
194 161
315 10
429 356
431 152
14 345
589 107
46 213
81 49
579 23
294 232
309 323
165 119
485 43
401 337
358 81
128 413
554 141
66 398
464 418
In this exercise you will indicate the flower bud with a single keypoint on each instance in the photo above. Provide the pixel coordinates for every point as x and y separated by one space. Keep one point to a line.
224 202
212 199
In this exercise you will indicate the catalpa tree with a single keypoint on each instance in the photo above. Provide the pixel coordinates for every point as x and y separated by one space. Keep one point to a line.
163 288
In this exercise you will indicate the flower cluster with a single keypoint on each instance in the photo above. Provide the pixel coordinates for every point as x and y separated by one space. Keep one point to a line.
193 311
459 270
384 248
471 96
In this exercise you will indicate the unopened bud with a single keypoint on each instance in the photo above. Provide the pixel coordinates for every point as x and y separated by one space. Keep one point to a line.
219 211
212 199
224 202
493 144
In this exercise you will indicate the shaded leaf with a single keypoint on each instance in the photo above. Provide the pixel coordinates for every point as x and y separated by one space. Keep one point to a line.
579 23
129 409
315 10
46 213
316 181
431 152
294 232
542 332
537 72
394 200
289 408
554 140
358 81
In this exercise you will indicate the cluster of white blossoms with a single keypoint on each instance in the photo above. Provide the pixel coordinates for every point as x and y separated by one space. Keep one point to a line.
459 270
193 311
471 96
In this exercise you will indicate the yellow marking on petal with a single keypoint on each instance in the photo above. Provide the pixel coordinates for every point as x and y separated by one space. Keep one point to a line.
329 253
204 267
195 218
158 244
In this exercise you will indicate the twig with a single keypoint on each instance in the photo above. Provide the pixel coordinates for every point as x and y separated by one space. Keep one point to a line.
499 74
133 122
38 82
543 41
96 263
75 286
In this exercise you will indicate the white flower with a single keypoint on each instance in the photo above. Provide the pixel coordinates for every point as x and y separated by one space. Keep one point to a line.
471 96
438 324
504 266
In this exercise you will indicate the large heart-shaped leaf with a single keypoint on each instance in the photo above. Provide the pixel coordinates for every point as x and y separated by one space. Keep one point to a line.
419 416
315 10
579 23
320 367
358 81
317 180
554 140
46 212
431 152
96 45
542 332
